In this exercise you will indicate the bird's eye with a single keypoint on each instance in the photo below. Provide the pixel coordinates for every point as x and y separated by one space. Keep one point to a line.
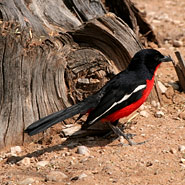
157 57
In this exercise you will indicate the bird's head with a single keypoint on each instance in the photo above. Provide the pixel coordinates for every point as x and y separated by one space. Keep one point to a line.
148 58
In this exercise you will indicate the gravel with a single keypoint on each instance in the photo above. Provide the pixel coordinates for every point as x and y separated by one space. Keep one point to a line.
82 150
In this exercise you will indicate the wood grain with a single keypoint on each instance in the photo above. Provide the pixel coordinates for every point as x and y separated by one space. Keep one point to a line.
54 54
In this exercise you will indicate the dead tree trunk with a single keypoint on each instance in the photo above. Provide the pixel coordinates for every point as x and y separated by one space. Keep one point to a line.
52 55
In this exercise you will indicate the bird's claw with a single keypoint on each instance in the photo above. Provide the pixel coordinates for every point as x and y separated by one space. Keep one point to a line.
131 143
130 136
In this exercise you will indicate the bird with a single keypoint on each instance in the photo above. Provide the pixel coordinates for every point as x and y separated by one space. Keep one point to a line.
118 98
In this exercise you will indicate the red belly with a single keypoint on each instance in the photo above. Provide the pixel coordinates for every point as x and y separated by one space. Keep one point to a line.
132 107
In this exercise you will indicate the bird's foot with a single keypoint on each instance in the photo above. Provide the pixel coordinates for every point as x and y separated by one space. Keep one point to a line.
130 142
131 136
128 137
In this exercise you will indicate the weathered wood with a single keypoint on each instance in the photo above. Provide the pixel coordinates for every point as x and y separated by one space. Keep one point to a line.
120 6
130 14
110 29
181 61
180 69
71 129
54 54
86 10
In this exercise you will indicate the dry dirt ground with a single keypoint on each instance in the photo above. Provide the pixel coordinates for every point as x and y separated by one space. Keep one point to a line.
161 160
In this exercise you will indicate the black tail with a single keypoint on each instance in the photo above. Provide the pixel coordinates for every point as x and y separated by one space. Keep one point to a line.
56 117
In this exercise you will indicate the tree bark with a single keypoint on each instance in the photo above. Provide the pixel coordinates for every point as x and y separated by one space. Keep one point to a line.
126 10
54 54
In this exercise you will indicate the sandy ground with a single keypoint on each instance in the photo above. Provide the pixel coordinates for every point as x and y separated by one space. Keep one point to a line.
161 160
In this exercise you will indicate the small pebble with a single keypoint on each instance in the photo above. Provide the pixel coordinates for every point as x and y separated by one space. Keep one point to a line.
182 148
159 114
142 107
82 176
25 161
154 103
121 139
42 163
82 150
71 163
182 160
144 113
15 150
27 181
177 43
56 176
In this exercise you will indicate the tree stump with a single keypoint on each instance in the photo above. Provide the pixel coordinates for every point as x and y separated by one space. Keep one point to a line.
54 54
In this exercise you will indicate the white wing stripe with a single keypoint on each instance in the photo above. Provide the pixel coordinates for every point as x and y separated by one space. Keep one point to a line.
138 88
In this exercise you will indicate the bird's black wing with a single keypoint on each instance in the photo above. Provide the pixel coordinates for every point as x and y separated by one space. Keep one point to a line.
120 92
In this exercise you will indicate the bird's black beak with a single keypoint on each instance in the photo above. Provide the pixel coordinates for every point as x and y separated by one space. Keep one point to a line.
166 59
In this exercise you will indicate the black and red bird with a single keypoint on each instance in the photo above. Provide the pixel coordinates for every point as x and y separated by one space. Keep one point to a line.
118 98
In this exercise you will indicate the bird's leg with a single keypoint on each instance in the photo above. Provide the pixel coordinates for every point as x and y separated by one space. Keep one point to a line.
118 132
111 131
130 136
